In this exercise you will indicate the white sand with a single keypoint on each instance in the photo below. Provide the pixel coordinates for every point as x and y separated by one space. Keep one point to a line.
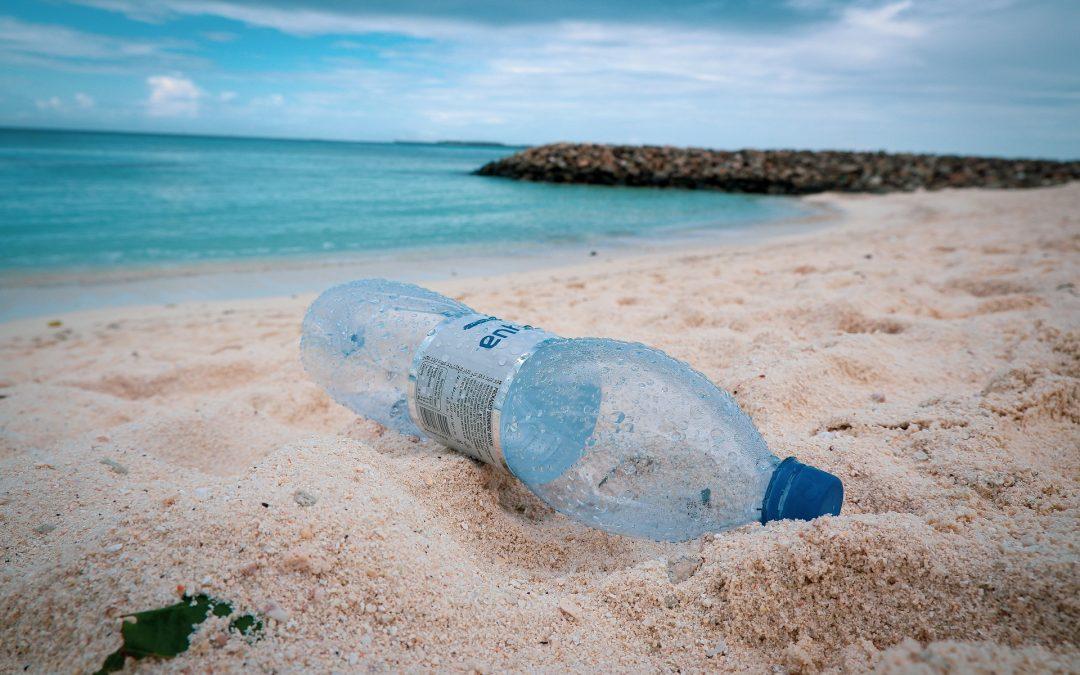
926 349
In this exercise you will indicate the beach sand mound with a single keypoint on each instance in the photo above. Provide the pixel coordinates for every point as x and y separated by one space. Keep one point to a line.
926 349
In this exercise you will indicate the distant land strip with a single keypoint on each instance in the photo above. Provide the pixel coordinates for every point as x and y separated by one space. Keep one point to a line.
789 172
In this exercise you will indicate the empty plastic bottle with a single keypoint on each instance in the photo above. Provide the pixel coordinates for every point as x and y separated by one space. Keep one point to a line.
615 435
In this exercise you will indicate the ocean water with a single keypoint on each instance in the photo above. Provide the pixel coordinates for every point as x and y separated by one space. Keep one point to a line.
74 200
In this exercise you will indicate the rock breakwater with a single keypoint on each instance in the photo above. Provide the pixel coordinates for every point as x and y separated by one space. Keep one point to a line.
773 171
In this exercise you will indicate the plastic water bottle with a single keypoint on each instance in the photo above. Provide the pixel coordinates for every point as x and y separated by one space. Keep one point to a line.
615 435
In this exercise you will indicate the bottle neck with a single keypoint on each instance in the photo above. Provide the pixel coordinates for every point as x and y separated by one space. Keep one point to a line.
798 491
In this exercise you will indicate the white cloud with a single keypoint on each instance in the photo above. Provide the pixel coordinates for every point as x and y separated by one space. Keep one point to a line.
462 118
220 36
56 104
52 103
172 96
54 46
297 20
885 20
227 96
271 101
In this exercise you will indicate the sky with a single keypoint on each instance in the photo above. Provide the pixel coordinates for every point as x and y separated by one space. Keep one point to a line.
989 77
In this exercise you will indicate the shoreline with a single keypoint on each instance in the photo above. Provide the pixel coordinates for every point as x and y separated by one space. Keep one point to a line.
36 294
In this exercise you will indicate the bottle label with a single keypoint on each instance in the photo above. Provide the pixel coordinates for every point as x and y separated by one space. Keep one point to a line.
459 378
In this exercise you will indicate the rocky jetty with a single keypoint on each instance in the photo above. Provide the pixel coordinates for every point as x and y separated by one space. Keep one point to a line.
791 172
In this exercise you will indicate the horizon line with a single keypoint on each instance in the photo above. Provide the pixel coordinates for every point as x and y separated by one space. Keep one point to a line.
245 137
501 144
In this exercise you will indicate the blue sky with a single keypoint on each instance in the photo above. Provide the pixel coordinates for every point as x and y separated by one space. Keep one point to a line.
984 77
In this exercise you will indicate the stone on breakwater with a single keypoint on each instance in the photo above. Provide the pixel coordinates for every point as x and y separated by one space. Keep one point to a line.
773 171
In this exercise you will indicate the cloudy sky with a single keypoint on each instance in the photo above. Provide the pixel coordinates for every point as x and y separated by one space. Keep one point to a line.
973 76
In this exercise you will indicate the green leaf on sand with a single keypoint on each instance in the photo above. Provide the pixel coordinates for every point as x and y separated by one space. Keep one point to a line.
165 632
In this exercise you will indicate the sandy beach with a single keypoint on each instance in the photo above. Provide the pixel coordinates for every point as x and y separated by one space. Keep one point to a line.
923 347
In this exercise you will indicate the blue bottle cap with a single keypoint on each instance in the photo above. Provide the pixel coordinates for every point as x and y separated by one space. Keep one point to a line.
800 492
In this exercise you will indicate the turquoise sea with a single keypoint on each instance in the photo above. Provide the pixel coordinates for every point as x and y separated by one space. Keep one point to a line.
77 200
